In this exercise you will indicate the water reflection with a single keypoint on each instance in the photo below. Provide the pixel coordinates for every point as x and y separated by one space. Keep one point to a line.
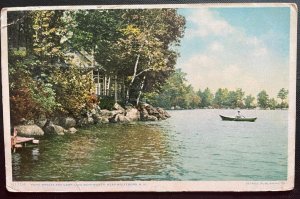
35 154
191 145
118 152
139 152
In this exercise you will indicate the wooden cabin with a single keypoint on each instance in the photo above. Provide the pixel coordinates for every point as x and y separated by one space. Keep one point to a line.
106 83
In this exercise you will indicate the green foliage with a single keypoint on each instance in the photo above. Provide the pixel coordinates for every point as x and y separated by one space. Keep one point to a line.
221 98
139 44
146 47
45 96
272 104
283 95
206 98
263 99
175 93
48 30
21 101
235 98
73 90
106 102
249 101
41 80
191 98
29 99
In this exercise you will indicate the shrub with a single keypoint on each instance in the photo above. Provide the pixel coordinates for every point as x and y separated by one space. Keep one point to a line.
106 102
72 90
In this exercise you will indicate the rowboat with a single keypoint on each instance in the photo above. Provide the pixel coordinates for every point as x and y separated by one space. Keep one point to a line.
238 119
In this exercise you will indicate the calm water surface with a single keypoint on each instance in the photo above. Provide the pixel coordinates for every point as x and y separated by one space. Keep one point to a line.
191 145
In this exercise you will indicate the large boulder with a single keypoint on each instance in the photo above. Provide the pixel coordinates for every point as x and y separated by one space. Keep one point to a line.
162 114
85 121
132 114
54 130
151 110
97 118
119 118
67 122
151 118
128 106
90 120
82 121
41 123
118 107
115 112
105 113
104 120
71 130
144 114
56 120
29 130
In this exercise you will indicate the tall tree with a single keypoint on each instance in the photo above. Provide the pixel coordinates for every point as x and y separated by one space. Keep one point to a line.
206 98
221 97
263 99
272 103
148 44
175 93
192 99
283 95
249 101
235 98
136 43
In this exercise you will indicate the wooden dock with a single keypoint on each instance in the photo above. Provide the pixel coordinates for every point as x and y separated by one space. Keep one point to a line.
19 142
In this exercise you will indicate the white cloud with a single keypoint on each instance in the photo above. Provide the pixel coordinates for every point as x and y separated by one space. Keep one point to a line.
216 47
231 58
207 23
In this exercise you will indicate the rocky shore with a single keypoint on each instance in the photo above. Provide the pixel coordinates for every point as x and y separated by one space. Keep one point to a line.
67 125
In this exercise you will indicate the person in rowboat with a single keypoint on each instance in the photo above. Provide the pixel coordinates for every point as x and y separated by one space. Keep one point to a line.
239 115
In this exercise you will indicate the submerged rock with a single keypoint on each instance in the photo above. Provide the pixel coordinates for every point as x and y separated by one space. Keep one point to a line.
29 130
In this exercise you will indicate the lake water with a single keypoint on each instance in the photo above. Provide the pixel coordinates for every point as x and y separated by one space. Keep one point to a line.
191 145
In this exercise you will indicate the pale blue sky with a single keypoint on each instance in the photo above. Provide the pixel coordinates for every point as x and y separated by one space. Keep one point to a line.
244 48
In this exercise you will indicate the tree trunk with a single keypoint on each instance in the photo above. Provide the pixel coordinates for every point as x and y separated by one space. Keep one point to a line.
140 92
133 78
108 86
116 89
105 87
123 88
98 83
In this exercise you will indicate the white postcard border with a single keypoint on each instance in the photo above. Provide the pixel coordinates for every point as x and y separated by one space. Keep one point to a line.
161 186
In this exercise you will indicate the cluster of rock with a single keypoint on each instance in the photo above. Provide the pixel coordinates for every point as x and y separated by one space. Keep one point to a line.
66 125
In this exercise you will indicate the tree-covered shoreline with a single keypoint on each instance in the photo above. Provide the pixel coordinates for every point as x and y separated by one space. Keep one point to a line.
177 93
53 53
